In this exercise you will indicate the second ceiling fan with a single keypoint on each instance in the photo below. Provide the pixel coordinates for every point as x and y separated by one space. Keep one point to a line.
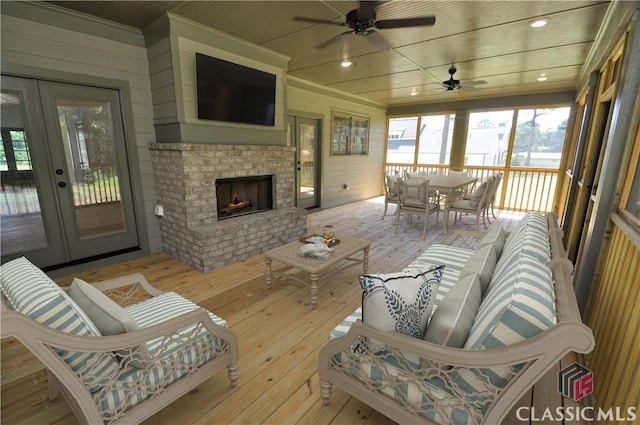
362 21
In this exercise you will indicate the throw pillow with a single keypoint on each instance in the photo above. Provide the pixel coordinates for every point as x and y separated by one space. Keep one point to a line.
452 321
477 195
495 237
482 262
106 314
400 302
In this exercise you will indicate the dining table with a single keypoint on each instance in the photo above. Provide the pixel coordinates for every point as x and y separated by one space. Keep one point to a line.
448 185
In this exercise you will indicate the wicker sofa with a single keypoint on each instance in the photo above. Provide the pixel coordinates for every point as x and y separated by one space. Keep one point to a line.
119 350
524 322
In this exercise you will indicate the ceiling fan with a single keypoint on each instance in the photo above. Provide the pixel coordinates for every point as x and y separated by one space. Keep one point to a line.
362 21
452 84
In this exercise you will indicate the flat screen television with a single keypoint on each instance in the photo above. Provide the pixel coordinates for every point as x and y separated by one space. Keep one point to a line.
234 93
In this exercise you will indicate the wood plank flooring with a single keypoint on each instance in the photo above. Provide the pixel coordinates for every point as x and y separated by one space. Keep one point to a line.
280 335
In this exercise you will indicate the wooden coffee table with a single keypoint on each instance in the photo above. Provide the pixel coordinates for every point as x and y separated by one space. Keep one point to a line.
341 258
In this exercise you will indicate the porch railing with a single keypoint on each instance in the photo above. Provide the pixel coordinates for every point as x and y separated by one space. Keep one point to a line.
521 189
98 185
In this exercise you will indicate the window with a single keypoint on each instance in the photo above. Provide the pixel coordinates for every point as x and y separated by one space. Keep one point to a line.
537 141
436 134
488 138
432 134
350 134
401 146
14 152
539 137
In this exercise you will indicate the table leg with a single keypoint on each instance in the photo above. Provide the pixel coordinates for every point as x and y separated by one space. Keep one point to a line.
314 290
365 260
267 263
446 217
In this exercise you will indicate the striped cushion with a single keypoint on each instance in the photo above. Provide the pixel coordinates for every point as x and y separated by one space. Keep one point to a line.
128 391
31 292
519 305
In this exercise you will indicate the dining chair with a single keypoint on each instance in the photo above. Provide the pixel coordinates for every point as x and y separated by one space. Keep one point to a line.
492 197
476 203
414 199
460 193
390 190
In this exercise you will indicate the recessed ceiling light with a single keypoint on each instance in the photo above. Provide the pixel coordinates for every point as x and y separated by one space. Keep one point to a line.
539 23
414 92
542 77
346 63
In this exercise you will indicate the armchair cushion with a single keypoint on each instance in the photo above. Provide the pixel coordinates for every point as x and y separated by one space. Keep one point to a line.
400 302
109 317
31 292
453 318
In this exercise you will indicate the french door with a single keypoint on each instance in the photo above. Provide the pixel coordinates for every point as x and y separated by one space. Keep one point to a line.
305 135
66 190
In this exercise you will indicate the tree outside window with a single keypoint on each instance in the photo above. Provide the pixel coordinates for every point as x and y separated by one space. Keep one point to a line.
539 137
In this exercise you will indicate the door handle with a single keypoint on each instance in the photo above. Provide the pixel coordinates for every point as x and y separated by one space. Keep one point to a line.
62 184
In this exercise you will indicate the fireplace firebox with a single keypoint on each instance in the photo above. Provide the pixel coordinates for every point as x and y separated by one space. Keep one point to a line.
237 196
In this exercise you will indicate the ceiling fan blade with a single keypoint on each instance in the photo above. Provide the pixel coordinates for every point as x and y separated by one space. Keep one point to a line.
318 21
332 40
406 22
474 83
378 40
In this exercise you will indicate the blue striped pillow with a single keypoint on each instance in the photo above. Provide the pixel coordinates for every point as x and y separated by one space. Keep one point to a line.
31 292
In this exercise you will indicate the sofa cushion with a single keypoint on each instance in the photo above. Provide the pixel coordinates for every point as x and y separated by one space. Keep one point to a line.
454 260
400 302
452 320
482 263
31 292
495 237
518 305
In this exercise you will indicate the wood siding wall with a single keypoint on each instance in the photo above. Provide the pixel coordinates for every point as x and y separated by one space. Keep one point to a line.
614 317
363 173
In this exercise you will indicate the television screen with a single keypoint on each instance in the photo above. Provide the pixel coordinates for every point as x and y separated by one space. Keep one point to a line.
234 93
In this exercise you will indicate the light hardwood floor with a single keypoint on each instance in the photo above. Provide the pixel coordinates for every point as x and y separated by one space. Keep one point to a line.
280 335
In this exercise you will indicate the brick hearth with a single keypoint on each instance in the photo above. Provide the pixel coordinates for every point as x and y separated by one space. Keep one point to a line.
185 177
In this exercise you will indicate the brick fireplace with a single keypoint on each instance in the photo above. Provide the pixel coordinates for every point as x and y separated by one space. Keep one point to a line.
185 178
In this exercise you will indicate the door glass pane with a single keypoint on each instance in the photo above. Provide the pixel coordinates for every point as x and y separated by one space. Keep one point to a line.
307 161
22 224
88 138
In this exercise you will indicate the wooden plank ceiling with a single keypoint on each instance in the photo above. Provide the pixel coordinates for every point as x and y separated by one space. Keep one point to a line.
488 41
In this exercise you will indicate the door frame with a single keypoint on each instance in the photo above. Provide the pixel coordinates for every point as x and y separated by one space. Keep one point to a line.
132 146
293 140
